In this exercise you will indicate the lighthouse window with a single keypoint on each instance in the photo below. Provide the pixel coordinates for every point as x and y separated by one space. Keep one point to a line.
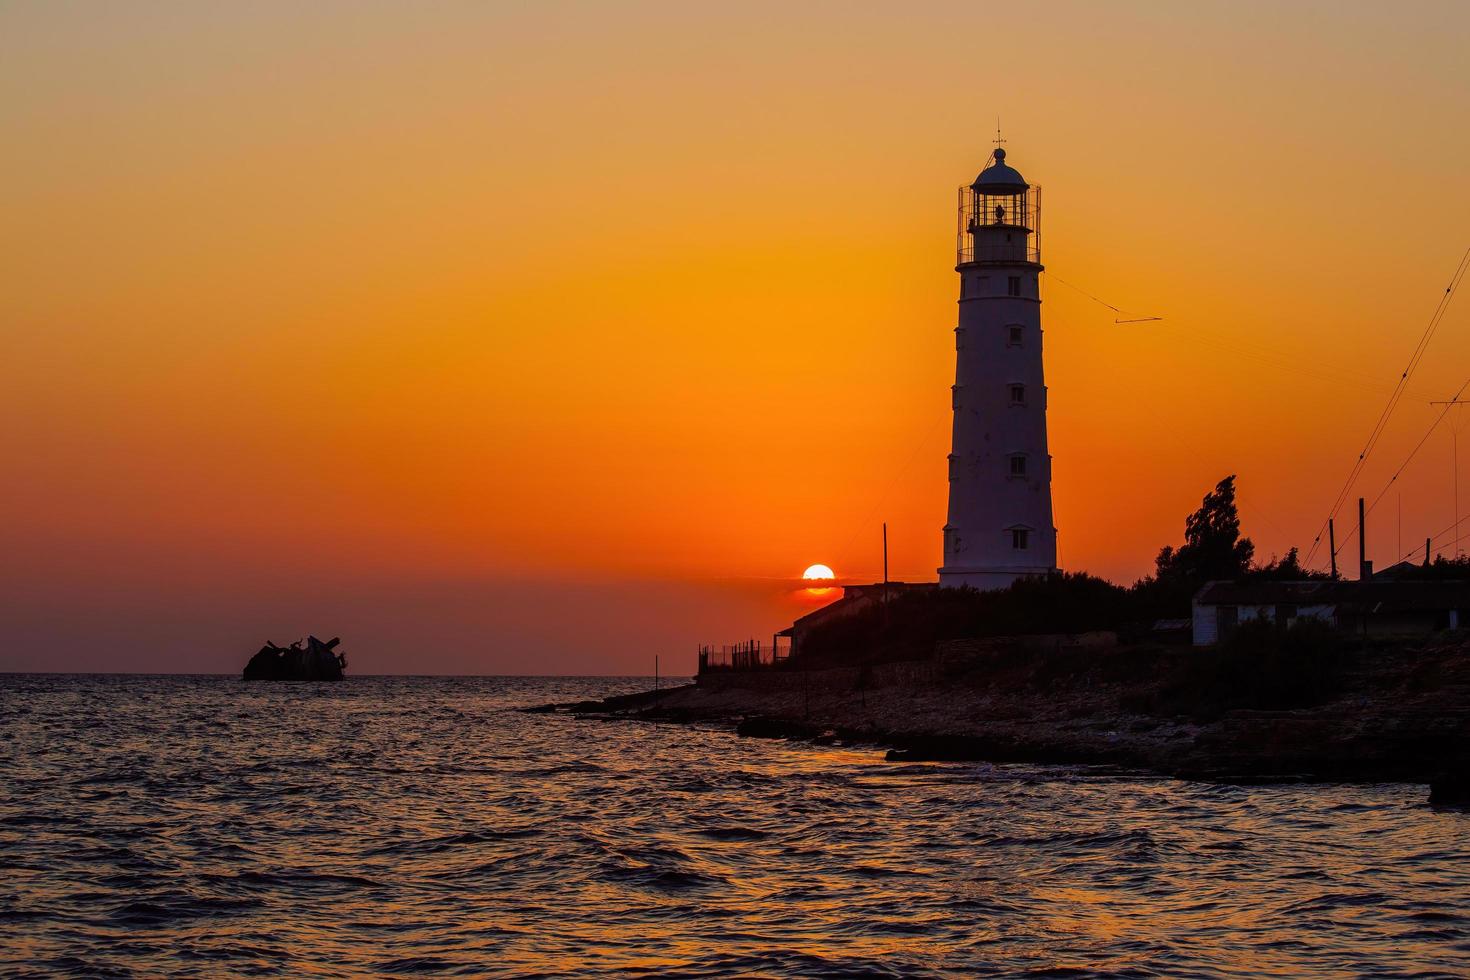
959 338
964 285
1013 286
1020 538
1018 394
1018 465
1013 336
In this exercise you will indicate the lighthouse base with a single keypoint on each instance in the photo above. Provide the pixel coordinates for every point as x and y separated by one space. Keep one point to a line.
986 579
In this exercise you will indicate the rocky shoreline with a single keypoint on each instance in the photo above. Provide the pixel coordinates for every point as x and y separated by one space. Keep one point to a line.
1381 713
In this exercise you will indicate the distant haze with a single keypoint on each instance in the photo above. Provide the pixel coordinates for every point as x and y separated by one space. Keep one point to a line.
543 338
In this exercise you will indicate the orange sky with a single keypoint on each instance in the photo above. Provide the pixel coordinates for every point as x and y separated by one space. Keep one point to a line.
546 337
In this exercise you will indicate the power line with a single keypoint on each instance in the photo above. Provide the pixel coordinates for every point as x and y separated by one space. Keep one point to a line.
1395 397
1136 317
1400 388
1410 458
1393 400
1458 519
1253 352
1283 360
1420 444
1435 538
1442 547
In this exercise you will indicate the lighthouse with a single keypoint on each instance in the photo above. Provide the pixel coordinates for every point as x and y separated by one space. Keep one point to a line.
999 526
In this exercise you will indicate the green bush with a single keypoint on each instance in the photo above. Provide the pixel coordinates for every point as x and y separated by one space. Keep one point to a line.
1261 666
911 623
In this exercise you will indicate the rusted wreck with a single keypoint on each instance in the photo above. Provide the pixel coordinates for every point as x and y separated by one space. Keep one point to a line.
313 661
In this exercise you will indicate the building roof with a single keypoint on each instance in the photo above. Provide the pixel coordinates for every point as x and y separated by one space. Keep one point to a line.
999 178
1400 570
855 597
1371 596
1265 593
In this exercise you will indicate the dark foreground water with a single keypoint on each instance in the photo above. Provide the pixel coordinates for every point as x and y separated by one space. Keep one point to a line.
155 826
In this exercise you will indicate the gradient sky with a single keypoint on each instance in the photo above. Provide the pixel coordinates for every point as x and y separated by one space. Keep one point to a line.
548 337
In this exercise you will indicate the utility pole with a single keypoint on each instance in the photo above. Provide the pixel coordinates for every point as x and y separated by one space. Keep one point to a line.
1332 547
885 561
1426 552
1363 572
1455 462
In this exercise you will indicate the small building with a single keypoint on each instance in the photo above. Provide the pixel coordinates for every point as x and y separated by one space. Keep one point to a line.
1377 607
1399 571
755 655
855 598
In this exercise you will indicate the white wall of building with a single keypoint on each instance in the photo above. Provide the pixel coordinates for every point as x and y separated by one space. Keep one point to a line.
999 406
1206 618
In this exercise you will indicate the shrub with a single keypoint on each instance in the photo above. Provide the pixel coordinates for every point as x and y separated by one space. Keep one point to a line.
1262 666
911 623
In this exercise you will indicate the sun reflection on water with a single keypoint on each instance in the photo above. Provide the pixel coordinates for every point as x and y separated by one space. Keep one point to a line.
415 825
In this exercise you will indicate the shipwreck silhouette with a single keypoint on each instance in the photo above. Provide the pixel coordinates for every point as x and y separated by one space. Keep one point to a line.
316 661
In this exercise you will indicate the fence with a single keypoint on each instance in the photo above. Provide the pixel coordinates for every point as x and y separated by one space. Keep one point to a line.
749 655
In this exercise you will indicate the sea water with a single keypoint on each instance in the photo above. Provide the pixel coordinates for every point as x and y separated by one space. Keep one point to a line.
202 826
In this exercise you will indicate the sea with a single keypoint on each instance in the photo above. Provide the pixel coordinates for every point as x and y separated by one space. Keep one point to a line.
200 826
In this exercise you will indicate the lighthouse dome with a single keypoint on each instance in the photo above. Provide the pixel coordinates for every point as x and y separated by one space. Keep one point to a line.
998 178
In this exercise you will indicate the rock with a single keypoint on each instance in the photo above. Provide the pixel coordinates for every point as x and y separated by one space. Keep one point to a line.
619 706
763 727
1174 712
1450 791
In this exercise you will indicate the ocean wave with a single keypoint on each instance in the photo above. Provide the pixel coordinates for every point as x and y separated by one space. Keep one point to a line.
394 826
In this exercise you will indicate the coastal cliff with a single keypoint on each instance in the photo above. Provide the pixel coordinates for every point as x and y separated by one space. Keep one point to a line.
1380 712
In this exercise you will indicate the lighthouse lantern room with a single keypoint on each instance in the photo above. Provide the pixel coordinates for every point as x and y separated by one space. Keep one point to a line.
1000 518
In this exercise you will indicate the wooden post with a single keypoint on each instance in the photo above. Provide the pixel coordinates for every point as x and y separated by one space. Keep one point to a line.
1362 544
885 574
655 672
1332 547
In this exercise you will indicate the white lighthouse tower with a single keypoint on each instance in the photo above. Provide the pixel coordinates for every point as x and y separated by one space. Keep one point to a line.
1000 523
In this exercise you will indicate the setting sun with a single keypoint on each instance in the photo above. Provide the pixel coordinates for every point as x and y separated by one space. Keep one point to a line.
448 385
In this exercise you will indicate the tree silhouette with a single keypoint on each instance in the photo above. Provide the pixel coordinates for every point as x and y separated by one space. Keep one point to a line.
1213 547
